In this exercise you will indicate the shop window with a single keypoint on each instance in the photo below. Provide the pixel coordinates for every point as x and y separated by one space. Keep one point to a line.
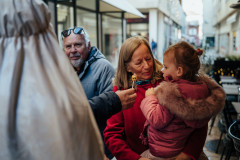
210 41
64 17
167 36
87 20
137 29
89 4
192 31
224 39
112 37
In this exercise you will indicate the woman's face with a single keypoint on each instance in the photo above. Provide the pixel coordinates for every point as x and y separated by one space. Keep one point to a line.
141 63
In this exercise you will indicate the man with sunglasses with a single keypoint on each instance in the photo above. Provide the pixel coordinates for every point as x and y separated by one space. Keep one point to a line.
95 74
94 71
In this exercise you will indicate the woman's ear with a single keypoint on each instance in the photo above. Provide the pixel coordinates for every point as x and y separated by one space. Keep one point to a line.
89 46
179 71
128 68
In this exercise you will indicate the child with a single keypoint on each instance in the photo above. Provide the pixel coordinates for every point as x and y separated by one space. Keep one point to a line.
166 132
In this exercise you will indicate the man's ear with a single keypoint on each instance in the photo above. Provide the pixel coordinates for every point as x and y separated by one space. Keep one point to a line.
179 71
89 46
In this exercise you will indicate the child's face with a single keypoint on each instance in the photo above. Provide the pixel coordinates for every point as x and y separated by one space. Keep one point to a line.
170 69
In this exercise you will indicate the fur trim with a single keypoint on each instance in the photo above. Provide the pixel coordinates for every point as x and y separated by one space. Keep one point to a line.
189 109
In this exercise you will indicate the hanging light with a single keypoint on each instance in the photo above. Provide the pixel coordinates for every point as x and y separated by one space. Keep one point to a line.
236 5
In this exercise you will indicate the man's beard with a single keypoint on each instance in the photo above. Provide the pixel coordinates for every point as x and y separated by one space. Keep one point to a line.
78 62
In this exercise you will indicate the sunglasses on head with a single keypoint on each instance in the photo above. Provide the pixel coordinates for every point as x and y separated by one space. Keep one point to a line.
77 30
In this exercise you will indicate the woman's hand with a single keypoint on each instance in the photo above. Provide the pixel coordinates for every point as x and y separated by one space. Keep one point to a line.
149 92
182 156
127 97
142 158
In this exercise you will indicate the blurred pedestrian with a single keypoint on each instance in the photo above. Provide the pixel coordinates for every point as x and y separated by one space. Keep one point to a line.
154 48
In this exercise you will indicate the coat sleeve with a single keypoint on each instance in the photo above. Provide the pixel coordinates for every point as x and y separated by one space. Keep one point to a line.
105 105
195 143
157 115
115 139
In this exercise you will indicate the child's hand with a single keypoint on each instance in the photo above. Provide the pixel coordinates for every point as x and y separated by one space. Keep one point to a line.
142 158
149 92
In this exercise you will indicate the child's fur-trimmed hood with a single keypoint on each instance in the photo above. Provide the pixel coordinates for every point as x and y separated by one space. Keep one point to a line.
169 96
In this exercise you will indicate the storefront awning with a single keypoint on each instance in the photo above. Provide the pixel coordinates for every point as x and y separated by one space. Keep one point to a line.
120 5
232 18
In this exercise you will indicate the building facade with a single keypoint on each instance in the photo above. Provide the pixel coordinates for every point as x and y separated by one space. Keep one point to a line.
226 22
110 22
193 33
208 29
105 21
165 22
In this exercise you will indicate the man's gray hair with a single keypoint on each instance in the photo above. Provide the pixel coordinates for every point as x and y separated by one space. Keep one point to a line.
85 35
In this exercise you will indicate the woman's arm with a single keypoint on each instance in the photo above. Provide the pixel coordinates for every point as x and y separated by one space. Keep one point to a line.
115 140
195 144
157 115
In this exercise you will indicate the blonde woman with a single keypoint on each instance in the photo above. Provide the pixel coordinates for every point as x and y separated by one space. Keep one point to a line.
124 128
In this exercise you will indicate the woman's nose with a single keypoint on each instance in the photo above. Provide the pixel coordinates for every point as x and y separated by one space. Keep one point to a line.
73 49
145 64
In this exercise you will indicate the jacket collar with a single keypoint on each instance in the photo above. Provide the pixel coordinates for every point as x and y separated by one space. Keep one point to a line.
94 54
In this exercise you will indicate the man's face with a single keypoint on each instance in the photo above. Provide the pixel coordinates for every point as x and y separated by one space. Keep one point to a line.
76 50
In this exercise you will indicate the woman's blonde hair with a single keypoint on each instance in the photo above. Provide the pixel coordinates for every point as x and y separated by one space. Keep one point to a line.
123 77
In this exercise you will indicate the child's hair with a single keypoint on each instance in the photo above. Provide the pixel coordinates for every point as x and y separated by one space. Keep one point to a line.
187 57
